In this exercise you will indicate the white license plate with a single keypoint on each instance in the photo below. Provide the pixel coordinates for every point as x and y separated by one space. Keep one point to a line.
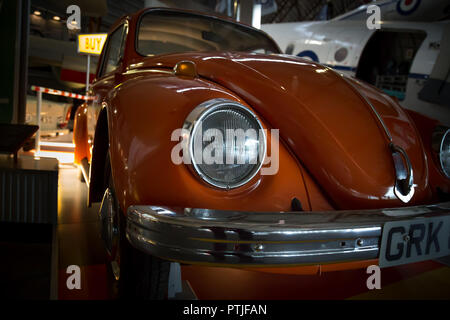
414 240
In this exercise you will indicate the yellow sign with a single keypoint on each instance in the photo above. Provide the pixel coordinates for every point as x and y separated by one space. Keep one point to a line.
91 43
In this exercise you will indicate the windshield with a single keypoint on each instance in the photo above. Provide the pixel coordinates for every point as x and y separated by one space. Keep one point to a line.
163 32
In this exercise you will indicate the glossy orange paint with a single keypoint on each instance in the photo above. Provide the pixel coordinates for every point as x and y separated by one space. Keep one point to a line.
318 269
141 155
360 173
333 155
81 135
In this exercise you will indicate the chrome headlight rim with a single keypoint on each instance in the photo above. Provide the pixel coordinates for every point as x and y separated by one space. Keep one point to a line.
439 136
196 116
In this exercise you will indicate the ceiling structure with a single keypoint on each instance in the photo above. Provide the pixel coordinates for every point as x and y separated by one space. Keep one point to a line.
303 10
99 15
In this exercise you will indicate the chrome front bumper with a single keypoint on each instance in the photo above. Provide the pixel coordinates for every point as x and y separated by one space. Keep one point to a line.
202 236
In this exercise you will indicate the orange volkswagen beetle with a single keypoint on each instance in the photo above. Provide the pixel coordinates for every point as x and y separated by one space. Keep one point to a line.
212 148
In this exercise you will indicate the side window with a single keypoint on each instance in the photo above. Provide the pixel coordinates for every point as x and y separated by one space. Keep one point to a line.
115 49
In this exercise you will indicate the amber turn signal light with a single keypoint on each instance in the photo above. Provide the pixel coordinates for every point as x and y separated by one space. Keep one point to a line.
186 69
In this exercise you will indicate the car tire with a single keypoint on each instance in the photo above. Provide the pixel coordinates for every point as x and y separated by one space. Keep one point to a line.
142 276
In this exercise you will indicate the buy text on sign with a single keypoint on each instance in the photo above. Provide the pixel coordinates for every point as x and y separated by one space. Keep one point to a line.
91 43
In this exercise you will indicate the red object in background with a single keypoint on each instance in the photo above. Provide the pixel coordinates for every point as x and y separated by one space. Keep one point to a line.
75 76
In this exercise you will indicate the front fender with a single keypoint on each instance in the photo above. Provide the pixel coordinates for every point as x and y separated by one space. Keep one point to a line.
81 134
142 114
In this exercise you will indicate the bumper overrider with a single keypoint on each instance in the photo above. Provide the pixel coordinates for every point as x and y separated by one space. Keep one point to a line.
266 239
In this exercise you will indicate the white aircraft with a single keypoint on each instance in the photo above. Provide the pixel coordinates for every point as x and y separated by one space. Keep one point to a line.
403 10
407 59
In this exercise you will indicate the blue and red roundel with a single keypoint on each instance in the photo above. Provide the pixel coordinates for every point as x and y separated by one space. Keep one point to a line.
406 7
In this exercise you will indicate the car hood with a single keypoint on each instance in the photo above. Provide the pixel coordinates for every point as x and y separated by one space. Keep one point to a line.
326 122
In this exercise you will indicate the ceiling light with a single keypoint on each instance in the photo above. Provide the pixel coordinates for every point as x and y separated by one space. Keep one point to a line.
37 13
56 18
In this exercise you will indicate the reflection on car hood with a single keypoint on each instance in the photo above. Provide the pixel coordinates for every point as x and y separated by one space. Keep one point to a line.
327 124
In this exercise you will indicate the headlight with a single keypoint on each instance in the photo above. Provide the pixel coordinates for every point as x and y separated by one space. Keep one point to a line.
441 146
226 143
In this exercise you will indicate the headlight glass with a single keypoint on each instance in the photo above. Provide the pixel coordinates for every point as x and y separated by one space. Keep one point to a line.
444 153
441 148
226 143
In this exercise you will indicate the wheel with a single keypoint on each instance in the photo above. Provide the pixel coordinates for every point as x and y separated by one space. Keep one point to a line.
137 275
